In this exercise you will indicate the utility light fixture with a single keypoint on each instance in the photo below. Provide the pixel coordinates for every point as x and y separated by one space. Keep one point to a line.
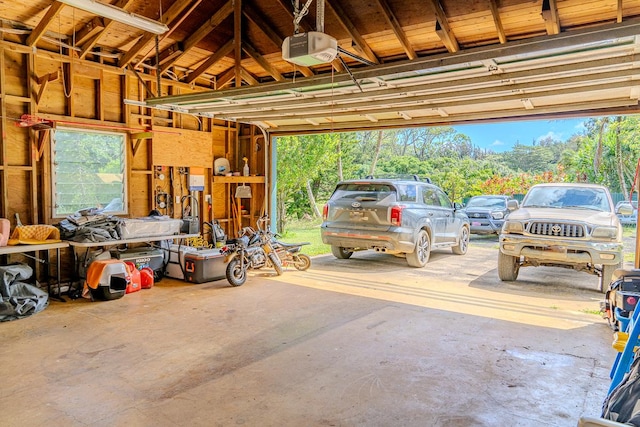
114 13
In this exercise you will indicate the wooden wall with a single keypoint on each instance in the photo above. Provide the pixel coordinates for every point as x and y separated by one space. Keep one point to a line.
163 146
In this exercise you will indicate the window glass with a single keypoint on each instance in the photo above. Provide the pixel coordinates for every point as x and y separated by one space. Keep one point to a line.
88 171
444 199
430 197
406 193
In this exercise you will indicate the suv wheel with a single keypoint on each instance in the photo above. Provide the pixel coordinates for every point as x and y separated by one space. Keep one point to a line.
420 256
341 253
508 267
463 242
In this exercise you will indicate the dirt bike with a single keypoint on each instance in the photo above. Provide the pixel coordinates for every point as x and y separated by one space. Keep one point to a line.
250 250
289 253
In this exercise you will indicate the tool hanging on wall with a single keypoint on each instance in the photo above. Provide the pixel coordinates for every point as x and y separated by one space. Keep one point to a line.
190 219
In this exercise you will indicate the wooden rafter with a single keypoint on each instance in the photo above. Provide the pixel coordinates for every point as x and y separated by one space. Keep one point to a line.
40 29
202 31
167 18
286 5
89 30
397 29
619 17
247 77
256 56
442 28
225 78
359 41
497 21
237 40
86 47
550 16
209 62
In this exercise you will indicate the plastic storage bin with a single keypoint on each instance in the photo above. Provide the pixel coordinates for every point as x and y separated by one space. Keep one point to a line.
204 266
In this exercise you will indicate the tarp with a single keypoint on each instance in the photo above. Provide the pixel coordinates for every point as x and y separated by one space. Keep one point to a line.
19 299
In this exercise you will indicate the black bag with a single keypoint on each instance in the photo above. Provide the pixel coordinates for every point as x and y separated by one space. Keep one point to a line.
623 403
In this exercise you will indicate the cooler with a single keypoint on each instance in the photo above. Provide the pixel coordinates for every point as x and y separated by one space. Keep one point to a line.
175 264
143 257
204 266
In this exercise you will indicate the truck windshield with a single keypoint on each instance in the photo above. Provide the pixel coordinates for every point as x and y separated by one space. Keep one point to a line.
567 197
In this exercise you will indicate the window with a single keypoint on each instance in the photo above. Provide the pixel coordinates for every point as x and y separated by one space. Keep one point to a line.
88 171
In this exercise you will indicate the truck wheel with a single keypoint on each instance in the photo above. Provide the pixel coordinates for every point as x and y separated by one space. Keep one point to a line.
420 256
341 253
607 274
463 242
508 267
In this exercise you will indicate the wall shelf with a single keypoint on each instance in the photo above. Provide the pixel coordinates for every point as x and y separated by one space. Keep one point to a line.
238 179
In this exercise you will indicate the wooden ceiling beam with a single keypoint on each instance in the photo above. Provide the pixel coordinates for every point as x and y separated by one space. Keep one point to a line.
86 48
41 28
223 51
167 18
550 16
89 30
442 28
619 14
247 77
497 21
202 32
267 29
226 78
397 29
256 56
344 20
286 5
237 40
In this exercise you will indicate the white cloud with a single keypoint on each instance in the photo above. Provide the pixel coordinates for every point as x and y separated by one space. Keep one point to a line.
497 143
551 134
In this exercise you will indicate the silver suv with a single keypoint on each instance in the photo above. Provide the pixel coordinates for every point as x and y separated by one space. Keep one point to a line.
563 225
400 217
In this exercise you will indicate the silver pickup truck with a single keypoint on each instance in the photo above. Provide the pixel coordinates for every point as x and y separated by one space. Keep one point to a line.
570 225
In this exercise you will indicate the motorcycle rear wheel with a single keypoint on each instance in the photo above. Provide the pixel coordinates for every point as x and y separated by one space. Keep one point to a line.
276 263
235 273
301 262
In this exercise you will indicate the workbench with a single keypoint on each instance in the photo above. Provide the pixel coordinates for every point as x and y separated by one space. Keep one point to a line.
46 247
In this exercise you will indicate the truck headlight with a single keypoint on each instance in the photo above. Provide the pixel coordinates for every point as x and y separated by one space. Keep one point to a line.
512 227
497 215
605 232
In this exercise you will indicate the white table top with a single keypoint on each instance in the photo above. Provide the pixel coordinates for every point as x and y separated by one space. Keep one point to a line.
17 249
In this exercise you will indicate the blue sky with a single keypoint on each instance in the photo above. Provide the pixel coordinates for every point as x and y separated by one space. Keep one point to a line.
501 137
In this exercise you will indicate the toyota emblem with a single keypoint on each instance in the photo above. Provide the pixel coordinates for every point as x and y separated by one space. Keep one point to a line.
355 205
556 229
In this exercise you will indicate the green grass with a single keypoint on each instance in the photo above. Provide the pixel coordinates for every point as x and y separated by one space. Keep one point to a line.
306 231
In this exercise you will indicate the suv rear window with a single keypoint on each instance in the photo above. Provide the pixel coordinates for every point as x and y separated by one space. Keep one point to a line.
376 192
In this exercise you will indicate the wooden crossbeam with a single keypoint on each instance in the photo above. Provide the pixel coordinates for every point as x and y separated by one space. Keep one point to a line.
255 55
88 46
397 29
442 28
40 29
223 51
497 21
550 16
344 20
203 31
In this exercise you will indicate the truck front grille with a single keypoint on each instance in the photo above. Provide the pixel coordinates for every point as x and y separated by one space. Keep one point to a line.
556 229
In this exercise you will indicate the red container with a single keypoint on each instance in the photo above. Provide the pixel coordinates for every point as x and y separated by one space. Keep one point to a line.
146 278
136 283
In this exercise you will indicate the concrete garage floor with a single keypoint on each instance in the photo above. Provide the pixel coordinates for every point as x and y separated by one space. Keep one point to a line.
360 342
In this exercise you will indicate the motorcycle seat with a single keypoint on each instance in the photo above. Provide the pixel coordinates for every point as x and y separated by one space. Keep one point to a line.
293 245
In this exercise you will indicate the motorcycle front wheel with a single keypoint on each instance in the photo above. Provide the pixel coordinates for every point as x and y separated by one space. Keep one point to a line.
301 262
276 263
236 274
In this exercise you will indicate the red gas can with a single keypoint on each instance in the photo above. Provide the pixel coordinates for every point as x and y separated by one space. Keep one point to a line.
135 284
146 277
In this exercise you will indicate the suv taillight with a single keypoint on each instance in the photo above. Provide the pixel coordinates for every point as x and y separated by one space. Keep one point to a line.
325 212
396 214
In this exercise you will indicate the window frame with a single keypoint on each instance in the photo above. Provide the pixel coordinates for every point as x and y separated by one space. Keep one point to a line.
54 181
